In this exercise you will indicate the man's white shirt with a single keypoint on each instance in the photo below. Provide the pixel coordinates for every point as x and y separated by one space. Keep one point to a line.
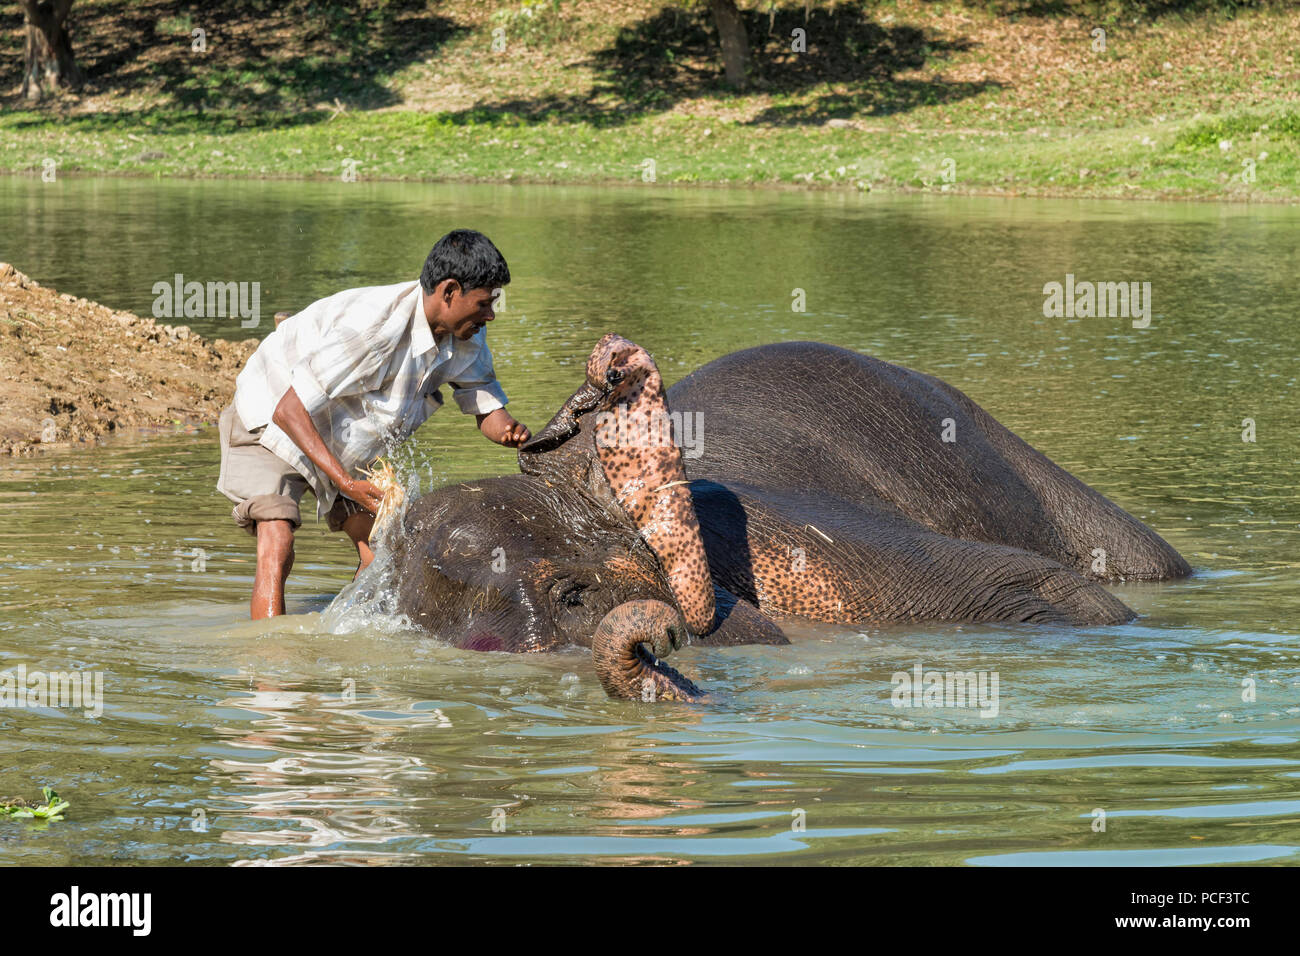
366 366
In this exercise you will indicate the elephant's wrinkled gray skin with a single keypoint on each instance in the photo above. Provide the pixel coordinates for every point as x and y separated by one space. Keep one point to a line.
542 560
824 492
822 432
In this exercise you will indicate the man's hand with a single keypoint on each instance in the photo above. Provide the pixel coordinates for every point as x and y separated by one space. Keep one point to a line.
499 426
364 493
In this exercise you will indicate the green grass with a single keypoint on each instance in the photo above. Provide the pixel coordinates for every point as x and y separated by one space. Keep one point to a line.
1181 159
1190 99
1277 129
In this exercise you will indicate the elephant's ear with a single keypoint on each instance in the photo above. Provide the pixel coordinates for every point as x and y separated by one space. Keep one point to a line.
638 453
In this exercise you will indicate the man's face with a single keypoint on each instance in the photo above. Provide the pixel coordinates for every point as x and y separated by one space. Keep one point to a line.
459 312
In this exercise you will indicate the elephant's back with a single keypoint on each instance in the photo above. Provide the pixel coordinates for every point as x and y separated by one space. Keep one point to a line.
760 405
793 395
803 383
782 363
824 419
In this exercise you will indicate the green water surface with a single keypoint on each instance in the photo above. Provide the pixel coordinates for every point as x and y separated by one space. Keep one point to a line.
339 737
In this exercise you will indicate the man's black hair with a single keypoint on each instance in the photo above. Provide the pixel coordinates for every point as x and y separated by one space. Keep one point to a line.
468 257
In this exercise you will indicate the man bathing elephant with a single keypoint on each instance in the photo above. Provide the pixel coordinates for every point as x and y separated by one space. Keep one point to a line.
344 380
851 511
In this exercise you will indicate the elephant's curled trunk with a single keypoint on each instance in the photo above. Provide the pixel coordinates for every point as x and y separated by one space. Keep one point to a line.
629 669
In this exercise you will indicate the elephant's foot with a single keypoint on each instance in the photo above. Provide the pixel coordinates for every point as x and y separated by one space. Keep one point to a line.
626 649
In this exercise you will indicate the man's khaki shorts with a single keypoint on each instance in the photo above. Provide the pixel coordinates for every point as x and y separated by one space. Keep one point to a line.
263 486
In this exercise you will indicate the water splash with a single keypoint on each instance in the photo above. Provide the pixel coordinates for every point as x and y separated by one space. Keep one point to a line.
369 603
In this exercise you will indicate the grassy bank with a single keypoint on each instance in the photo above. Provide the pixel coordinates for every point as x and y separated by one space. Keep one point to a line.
1200 102
1173 159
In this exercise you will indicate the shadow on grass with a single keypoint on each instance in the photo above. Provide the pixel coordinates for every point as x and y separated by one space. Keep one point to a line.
673 56
274 63
261 55
171 122
1103 11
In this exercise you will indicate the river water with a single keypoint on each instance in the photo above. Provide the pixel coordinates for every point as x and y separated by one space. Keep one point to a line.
329 738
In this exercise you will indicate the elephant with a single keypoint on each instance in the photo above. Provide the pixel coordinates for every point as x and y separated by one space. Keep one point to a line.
828 486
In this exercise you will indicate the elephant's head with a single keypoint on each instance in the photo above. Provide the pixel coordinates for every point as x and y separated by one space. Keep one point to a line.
597 543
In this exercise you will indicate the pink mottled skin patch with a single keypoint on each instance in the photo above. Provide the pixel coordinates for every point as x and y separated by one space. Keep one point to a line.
643 465
484 641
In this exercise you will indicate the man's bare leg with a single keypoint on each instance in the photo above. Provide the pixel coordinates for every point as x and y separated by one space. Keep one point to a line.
274 560
357 527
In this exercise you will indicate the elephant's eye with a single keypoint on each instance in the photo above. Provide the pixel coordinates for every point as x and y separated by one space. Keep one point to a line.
613 376
572 596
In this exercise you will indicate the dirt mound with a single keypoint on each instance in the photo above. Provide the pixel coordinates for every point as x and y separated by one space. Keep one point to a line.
75 370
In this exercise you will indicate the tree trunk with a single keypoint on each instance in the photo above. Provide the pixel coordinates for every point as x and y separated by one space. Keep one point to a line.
735 44
49 63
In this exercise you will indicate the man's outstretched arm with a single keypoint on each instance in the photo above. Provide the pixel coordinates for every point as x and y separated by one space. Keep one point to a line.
292 418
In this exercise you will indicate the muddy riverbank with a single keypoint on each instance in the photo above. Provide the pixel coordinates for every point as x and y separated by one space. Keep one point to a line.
75 370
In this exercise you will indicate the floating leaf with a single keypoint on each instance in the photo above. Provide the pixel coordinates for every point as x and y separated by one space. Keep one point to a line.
19 809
